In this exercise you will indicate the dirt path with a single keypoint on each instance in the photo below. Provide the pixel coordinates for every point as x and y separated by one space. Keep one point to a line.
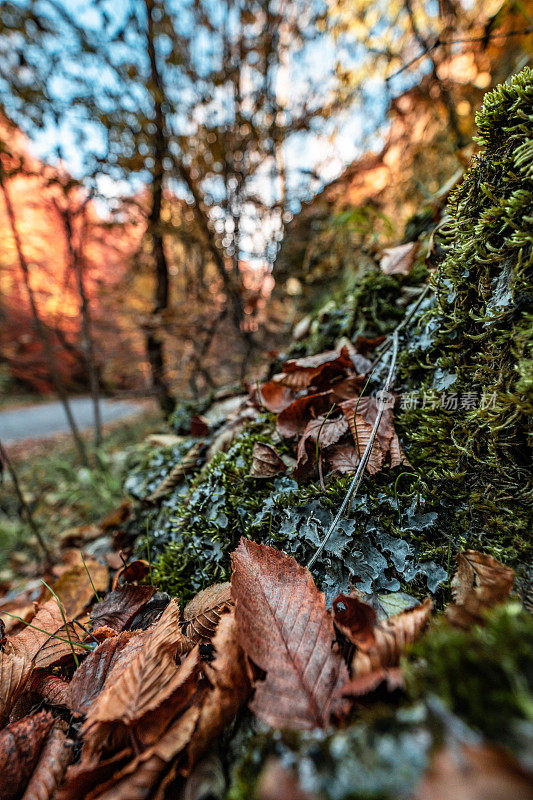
47 419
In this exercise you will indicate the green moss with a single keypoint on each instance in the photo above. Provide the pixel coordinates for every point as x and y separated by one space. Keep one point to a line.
484 675
476 335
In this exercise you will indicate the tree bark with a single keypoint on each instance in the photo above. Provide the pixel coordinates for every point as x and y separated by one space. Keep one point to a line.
154 343
76 261
40 326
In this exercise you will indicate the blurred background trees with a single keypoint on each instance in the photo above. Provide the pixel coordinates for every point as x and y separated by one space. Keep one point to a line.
157 152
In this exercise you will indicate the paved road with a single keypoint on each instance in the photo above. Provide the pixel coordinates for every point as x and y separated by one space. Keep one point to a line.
45 419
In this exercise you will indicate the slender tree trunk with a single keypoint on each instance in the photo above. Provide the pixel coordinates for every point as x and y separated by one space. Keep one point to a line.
154 342
40 326
76 260
25 510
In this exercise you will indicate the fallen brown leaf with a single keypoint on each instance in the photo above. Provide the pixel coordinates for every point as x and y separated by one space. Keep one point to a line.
474 772
54 759
89 679
202 614
60 648
51 688
479 583
392 637
399 260
294 418
229 687
15 669
275 397
82 778
131 573
322 430
20 746
46 621
286 631
120 606
74 587
265 461
361 415
144 684
342 458
355 620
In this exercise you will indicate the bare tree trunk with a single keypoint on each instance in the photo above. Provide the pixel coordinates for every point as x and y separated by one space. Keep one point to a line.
40 326
76 260
154 343
25 510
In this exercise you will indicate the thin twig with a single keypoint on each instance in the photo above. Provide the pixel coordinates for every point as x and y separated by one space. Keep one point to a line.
442 42
358 477
382 349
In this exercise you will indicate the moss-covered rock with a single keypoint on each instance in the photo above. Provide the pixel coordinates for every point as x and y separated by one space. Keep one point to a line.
473 343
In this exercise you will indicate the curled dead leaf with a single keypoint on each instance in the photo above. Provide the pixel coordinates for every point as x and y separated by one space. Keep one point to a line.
265 461
15 670
51 688
54 759
479 583
202 614
119 607
355 620
133 572
391 638
399 260
20 746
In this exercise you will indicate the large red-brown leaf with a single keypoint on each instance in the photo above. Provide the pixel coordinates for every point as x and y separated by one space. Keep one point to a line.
47 621
120 606
54 759
293 419
20 745
285 630
51 688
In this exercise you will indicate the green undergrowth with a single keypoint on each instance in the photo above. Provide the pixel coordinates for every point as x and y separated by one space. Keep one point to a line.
475 336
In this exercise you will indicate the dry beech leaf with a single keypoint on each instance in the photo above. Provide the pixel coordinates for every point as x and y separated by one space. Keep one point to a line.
132 573
490 580
362 685
51 688
47 621
20 745
322 430
83 777
342 458
117 517
361 415
293 419
120 606
229 687
145 683
202 613
265 461
474 772
275 397
74 587
479 583
399 260
392 637
89 679
355 620
286 631
15 669
54 759
60 647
